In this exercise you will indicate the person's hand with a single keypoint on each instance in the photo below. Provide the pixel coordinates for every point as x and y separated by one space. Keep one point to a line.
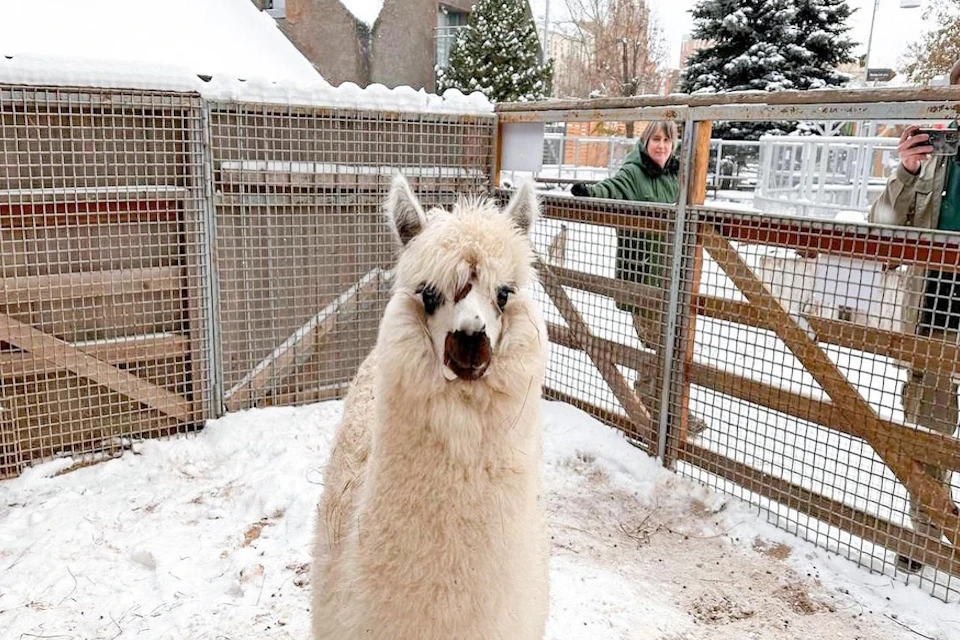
911 149
580 190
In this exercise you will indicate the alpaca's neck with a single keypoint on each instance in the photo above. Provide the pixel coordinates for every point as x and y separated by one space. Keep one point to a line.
464 428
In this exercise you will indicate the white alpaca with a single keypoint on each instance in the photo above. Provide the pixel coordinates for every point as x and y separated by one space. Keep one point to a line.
431 525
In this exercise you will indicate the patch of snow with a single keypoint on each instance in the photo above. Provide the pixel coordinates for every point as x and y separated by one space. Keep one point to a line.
214 37
366 11
210 536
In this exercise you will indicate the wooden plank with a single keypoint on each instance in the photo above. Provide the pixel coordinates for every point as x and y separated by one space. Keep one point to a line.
690 332
923 446
63 214
636 359
64 356
602 361
620 290
830 238
863 421
299 346
115 352
88 284
913 351
861 524
103 193
820 96
625 216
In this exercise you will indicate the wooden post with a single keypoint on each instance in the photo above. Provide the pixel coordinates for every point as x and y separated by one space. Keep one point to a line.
697 185
497 152
696 195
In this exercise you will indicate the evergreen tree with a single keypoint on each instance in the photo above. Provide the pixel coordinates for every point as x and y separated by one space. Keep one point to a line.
767 45
498 54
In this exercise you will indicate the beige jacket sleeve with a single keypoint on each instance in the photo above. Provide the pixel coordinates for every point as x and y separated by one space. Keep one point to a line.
897 204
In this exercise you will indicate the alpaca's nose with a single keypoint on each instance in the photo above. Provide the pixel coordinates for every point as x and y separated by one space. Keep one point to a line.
472 325
468 316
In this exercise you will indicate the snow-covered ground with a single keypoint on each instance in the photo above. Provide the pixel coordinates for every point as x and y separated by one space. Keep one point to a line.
209 536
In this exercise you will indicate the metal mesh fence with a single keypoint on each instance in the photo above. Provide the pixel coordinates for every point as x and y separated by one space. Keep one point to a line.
796 368
812 370
605 278
302 246
822 361
103 333
164 258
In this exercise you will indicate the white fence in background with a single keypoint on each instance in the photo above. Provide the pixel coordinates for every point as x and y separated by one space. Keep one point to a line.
814 176
809 176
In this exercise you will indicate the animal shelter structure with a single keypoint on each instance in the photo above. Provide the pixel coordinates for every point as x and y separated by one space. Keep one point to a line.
166 258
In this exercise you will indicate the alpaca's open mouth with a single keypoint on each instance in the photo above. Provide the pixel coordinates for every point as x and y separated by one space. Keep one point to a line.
467 356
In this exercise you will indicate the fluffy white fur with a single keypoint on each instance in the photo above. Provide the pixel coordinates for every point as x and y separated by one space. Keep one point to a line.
431 525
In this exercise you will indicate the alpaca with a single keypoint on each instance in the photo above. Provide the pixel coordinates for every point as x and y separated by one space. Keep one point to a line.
557 252
431 525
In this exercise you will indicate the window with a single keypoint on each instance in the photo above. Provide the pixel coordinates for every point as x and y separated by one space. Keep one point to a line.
449 22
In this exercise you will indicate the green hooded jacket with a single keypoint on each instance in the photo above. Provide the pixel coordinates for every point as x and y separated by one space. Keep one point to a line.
641 257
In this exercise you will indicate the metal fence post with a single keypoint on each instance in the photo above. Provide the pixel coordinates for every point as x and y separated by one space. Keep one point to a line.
210 270
680 263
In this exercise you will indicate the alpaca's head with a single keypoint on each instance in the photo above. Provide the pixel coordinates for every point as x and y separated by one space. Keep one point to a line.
459 296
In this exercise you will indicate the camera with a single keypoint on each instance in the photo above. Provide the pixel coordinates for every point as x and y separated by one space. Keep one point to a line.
945 142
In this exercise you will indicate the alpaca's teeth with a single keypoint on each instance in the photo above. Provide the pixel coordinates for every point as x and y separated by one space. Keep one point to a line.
448 373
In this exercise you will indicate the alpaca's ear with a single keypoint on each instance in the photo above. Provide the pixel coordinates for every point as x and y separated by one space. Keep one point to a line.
405 213
523 208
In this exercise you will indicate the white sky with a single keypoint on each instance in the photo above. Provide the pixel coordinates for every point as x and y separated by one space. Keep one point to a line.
895 27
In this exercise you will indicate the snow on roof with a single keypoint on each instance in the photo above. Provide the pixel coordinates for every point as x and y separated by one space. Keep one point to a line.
221 49
366 11
213 37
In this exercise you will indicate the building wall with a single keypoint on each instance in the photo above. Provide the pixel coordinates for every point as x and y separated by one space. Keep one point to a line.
404 48
329 36
399 50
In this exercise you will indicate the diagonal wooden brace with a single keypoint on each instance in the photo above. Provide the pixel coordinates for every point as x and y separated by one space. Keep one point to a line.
63 355
604 362
864 422
299 346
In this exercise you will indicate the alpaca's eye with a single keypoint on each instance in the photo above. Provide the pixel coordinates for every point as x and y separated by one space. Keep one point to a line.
432 299
503 294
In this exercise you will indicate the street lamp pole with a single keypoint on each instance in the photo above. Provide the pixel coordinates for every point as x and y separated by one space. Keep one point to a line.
866 62
904 4
546 28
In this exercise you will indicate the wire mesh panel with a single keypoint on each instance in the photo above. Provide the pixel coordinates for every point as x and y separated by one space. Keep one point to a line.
303 250
821 357
103 332
605 268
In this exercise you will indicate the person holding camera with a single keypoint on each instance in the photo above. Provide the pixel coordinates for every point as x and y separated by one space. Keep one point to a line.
924 192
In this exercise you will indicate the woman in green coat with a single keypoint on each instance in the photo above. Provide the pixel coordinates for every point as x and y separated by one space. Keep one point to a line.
649 174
